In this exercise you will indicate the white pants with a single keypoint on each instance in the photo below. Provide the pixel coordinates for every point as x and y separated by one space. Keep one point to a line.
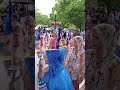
42 87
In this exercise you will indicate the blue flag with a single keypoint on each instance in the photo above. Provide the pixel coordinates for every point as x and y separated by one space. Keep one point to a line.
38 36
69 36
8 20
39 29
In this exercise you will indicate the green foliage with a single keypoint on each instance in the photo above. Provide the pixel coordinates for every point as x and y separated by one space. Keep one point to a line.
70 13
91 2
104 3
116 4
75 14
1 1
41 19
3 10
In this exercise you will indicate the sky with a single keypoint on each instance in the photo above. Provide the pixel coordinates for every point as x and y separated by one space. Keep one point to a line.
45 6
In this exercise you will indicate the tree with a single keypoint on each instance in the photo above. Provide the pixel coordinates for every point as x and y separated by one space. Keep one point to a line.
41 19
70 13
116 4
75 13
108 4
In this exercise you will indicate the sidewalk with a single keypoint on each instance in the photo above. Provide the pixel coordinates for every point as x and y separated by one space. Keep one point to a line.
4 77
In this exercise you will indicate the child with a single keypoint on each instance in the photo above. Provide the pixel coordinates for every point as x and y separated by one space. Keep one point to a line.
41 83
56 76
62 43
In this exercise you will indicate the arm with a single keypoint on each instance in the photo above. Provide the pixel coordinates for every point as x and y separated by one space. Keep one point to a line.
49 45
46 69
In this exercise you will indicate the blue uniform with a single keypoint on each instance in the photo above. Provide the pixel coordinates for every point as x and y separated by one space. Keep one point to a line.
58 77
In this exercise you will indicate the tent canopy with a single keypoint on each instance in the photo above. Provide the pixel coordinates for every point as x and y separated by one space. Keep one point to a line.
40 26
51 28
55 24
66 30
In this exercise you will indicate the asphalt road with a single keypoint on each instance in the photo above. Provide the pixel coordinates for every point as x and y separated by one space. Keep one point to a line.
5 78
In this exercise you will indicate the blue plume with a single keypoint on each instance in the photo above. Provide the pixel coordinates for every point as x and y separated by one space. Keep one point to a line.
8 20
